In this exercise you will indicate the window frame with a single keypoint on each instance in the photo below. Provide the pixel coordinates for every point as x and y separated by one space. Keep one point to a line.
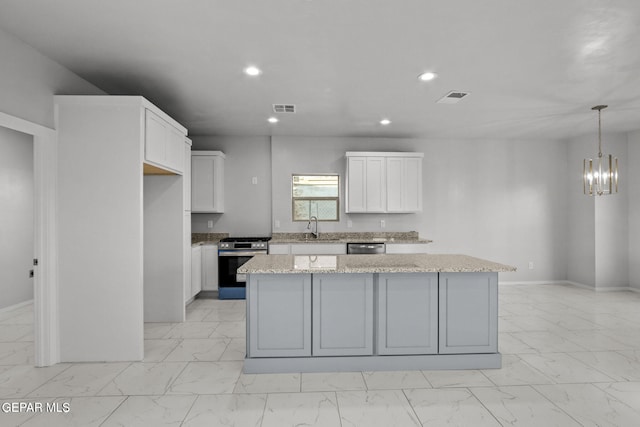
294 199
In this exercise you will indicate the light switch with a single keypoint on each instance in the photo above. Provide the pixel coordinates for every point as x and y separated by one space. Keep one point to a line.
254 180
382 223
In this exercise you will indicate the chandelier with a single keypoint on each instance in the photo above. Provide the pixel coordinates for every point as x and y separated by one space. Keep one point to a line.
600 176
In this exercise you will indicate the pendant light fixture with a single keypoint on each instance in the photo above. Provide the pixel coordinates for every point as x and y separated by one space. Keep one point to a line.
600 176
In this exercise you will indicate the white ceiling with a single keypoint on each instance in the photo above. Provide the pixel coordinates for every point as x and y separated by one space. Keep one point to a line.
534 67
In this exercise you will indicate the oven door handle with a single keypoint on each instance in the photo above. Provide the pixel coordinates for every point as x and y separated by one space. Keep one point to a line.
240 253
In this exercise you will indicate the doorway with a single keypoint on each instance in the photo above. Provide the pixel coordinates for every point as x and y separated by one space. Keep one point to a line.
44 350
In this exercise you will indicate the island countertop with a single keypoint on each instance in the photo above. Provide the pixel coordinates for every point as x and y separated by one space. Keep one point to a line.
387 263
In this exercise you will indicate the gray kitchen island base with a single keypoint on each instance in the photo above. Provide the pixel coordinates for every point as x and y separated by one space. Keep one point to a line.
371 313
273 365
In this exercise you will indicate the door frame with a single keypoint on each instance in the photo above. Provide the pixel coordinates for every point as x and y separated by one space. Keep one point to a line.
45 292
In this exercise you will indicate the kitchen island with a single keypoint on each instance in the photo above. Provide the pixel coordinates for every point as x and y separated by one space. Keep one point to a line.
315 313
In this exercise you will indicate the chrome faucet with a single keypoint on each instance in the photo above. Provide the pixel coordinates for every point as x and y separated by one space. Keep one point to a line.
314 232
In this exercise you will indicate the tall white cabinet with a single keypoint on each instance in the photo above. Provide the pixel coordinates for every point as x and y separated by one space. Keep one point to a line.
121 222
383 182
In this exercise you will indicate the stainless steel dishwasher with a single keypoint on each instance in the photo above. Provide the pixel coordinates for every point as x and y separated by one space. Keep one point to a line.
365 248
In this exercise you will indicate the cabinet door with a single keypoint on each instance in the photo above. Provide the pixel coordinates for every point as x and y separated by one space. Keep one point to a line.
406 248
155 138
209 267
279 315
186 176
207 185
404 184
318 248
187 249
279 249
376 185
412 184
342 314
407 313
468 313
196 271
174 152
395 181
356 184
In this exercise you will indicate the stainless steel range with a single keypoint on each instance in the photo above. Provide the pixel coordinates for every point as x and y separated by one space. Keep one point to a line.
232 253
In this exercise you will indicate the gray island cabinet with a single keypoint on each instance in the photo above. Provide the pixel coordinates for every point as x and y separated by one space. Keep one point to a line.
314 313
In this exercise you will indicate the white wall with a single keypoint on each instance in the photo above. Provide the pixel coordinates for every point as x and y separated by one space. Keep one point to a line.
633 188
501 200
28 80
247 206
16 217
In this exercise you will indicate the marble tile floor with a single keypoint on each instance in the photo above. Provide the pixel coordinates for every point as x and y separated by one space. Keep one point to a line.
571 357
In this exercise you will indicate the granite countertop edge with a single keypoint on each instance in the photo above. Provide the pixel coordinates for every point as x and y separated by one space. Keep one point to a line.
413 263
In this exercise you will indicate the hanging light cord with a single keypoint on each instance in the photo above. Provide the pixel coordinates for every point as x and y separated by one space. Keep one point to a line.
599 108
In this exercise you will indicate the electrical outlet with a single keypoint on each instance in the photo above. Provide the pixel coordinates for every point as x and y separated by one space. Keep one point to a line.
277 223
254 180
349 223
382 223
530 265
209 224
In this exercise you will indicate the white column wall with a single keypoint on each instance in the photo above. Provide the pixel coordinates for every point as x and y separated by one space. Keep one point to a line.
612 225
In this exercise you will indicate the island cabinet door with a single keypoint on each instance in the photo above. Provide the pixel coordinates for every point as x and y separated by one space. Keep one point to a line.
342 314
468 313
407 313
279 315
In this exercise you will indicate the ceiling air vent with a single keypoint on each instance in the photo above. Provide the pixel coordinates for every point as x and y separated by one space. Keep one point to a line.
284 108
452 97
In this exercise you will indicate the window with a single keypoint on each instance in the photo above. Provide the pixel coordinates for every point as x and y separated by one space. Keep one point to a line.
315 195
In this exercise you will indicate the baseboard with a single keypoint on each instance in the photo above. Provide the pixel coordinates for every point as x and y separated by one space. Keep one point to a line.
609 289
531 282
569 282
16 306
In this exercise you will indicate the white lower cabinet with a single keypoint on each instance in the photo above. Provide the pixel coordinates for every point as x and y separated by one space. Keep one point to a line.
468 313
210 267
196 274
279 249
406 248
342 314
318 248
407 313
279 315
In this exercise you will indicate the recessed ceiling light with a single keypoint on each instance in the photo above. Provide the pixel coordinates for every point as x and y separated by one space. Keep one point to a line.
272 120
429 75
252 71
385 122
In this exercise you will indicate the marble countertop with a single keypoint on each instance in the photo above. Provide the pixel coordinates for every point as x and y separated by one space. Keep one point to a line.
388 263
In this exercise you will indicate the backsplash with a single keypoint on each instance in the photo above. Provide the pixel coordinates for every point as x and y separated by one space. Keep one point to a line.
354 236
207 237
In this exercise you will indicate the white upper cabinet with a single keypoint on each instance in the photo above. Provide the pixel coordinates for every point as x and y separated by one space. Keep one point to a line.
404 184
383 182
207 181
163 143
